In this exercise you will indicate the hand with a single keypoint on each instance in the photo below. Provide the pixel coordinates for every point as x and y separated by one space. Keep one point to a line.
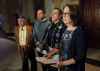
49 56
60 63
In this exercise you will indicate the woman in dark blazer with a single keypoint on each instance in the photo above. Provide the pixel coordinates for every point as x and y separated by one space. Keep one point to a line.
72 42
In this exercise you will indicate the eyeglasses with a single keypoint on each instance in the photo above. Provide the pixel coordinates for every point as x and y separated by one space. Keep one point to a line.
66 13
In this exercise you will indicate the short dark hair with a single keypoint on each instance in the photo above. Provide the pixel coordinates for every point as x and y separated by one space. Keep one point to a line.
38 10
41 10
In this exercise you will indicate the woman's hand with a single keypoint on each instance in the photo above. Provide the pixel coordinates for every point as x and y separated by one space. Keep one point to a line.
67 62
51 53
49 56
60 64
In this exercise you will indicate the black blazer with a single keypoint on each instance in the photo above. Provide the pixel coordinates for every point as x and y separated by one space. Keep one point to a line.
78 49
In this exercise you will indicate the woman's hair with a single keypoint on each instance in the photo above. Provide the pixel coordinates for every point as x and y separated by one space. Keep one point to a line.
59 10
26 20
73 13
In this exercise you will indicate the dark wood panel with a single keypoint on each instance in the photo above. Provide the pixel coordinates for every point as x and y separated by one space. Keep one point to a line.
90 13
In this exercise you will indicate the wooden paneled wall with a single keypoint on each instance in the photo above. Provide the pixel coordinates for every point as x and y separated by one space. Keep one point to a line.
90 15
